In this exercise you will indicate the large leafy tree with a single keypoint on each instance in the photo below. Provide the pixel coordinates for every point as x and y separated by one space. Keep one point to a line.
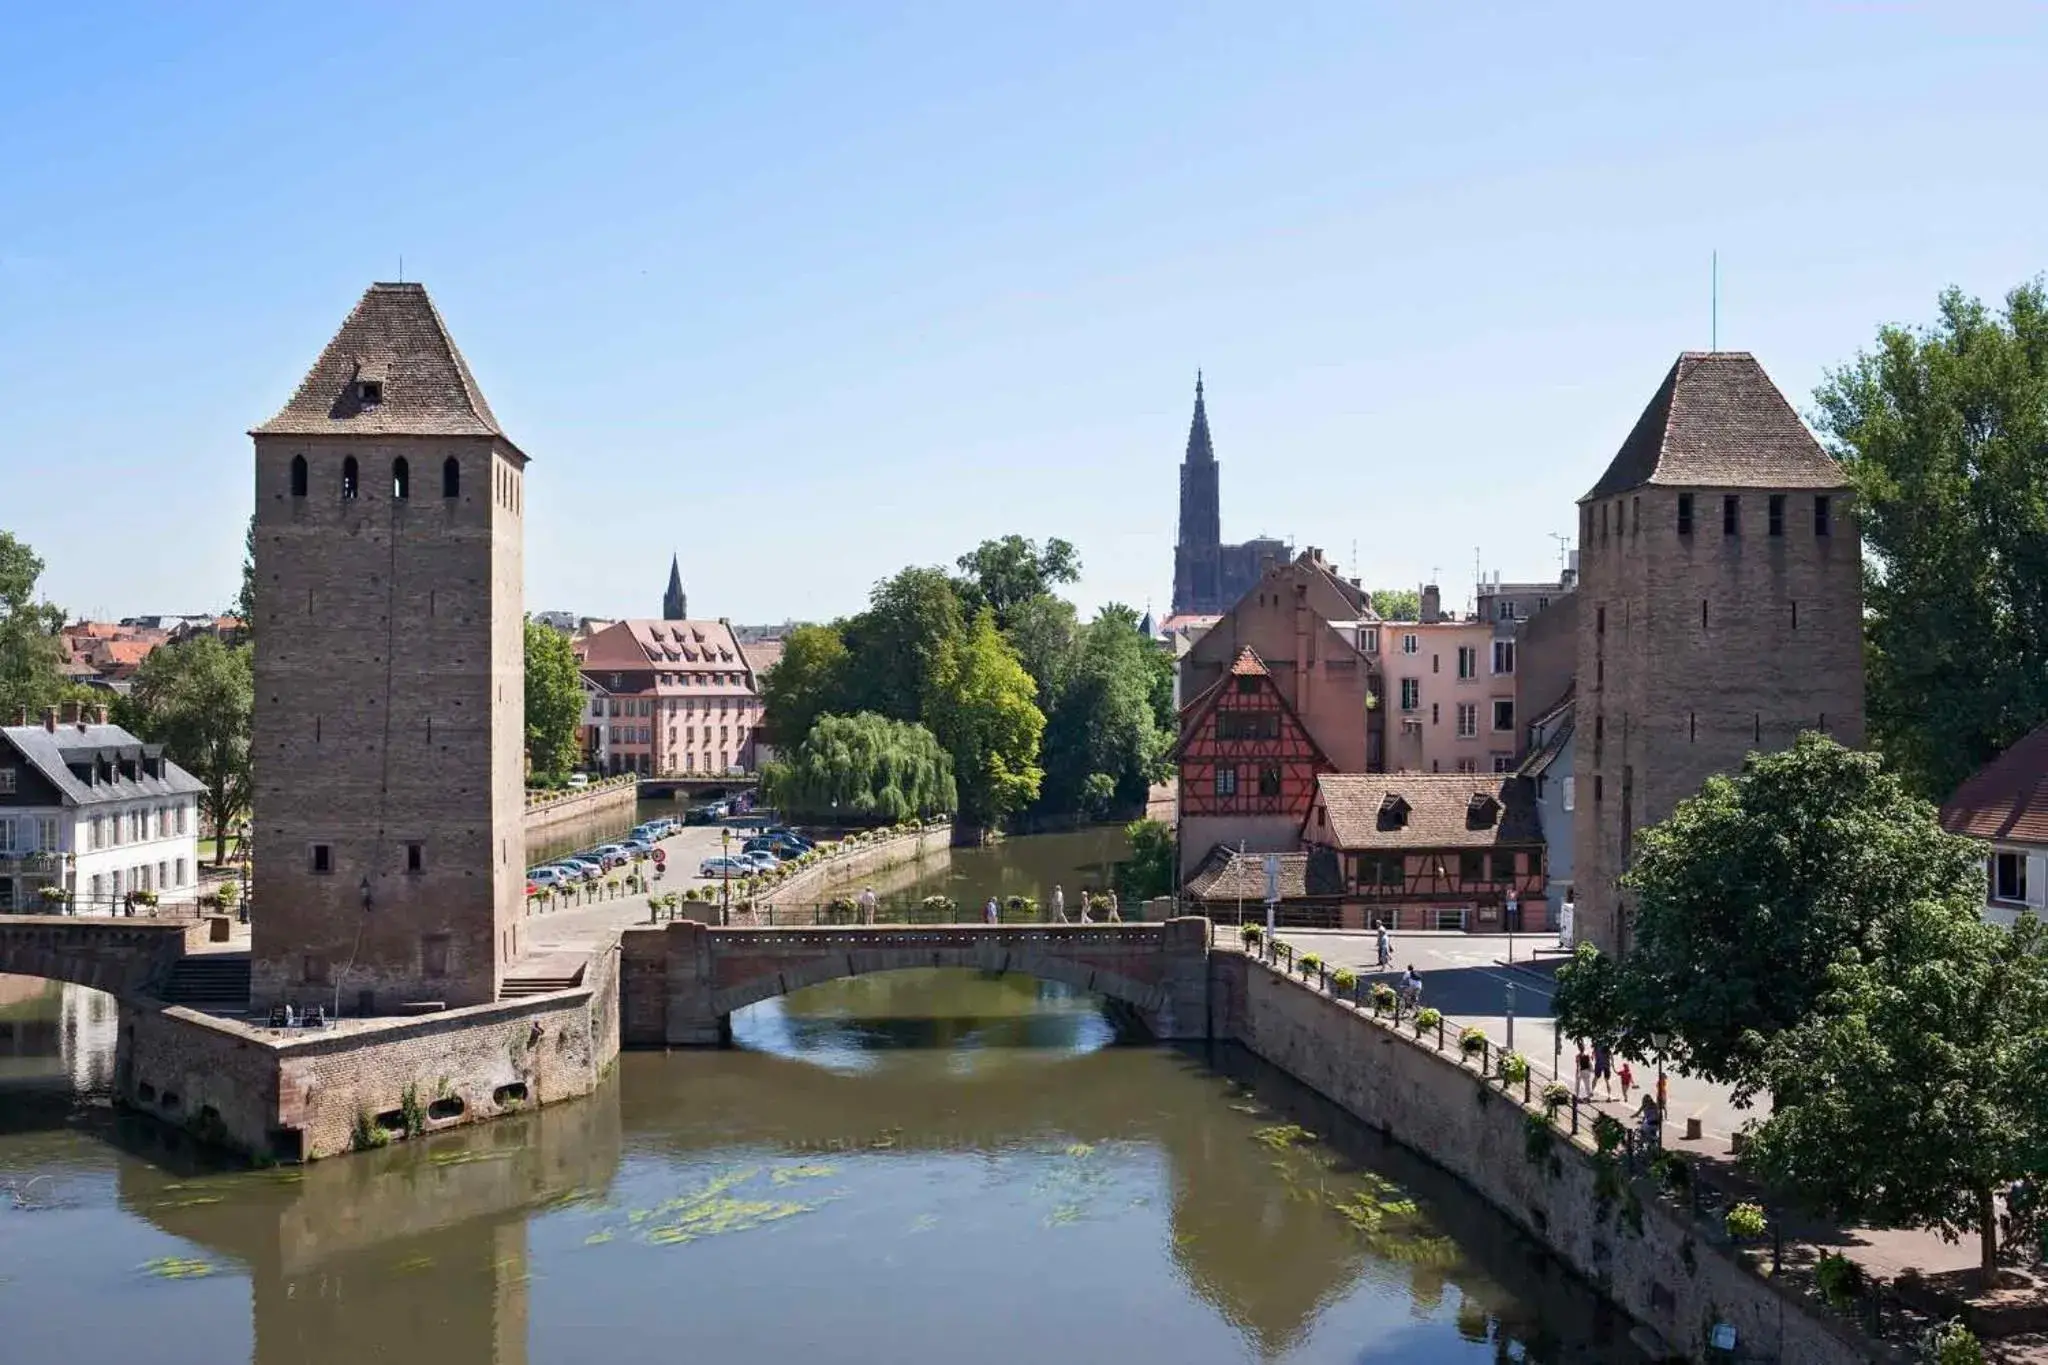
912 620
30 653
1103 741
197 698
1912 1092
1750 894
245 597
863 768
1002 575
1044 632
978 701
1945 432
554 701
1148 872
810 680
1397 604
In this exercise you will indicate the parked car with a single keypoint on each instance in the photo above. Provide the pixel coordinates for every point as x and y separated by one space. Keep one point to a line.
578 780
762 861
544 876
720 865
637 847
580 868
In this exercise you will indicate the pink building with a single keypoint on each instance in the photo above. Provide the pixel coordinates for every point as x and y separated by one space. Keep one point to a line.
671 699
1450 704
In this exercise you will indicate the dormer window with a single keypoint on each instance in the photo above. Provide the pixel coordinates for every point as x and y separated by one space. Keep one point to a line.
370 392
1481 811
1393 812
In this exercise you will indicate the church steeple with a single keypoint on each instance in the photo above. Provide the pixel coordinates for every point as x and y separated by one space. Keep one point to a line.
1201 522
1200 451
675 606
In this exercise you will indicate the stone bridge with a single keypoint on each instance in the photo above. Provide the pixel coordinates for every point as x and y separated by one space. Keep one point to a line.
123 957
679 984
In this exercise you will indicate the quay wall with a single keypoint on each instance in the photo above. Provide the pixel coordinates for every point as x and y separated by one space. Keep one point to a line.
1645 1255
543 816
915 854
296 1094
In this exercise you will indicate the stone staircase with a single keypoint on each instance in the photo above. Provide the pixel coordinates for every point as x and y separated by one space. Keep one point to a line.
517 987
215 982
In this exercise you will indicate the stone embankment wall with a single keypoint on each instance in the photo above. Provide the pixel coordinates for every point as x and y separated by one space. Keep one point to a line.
1641 1253
297 1094
544 816
120 956
844 874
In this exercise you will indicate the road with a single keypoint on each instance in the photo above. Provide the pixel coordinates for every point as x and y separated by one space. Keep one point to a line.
1470 978
577 930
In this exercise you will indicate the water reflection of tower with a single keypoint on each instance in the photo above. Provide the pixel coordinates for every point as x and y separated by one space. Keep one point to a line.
88 1032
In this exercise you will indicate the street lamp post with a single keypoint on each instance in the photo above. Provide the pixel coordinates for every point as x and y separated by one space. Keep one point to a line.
725 875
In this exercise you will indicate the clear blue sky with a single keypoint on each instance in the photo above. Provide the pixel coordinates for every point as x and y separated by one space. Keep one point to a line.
811 292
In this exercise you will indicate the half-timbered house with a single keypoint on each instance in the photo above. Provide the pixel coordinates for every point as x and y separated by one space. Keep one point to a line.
1247 764
1432 850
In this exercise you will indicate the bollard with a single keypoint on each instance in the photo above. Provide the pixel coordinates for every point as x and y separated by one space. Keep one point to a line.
1575 1116
1692 1129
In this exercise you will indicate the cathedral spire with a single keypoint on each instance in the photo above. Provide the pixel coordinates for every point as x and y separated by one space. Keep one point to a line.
1200 451
675 606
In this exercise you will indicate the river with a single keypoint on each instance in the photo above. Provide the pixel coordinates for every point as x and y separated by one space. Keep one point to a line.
911 1167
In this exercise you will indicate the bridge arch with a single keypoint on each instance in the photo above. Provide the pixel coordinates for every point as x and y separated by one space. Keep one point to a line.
120 957
1146 998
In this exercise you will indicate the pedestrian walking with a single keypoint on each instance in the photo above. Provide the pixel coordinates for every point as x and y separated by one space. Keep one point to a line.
1411 988
1582 1081
1603 1069
1386 948
867 906
1115 914
1086 897
990 911
1059 905
1627 1077
1651 1123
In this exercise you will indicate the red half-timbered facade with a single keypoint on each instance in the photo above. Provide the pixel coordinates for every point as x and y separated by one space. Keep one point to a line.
1433 850
1243 752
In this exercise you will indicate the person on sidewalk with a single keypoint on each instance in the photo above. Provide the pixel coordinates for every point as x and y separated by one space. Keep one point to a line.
1651 1118
1411 989
1386 948
1082 905
1582 1078
1115 915
1627 1076
1059 905
991 911
1603 1069
867 906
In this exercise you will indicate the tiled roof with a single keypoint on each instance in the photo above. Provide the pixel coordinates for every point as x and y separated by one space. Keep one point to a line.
1442 810
1247 665
1547 753
52 752
763 655
1227 874
2006 800
670 649
396 337
1717 421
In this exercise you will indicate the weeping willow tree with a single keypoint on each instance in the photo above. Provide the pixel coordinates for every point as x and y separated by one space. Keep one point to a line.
863 769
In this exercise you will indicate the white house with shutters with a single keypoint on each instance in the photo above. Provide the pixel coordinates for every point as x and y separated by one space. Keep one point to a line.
2005 803
89 809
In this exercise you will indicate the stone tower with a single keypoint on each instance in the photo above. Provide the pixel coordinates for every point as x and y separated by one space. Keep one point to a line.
388 744
1720 611
674 605
1198 548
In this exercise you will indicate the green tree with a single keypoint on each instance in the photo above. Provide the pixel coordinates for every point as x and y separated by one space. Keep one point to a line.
554 702
912 621
1912 1094
979 704
197 698
245 599
1043 631
1103 723
1750 894
1004 574
810 680
1148 872
1397 604
1945 432
30 652
864 768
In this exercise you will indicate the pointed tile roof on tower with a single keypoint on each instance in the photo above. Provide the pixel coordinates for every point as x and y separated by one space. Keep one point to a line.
674 605
1200 451
392 370
1717 421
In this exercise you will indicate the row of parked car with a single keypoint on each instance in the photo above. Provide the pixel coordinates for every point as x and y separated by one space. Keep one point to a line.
591 865
764 850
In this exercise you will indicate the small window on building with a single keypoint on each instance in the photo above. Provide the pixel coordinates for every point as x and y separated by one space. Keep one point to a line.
1245 686
1468 662
1410 644
1503 656
1468 719
1635 515
1600 620
1703 613
415 857
1599 672
1269 779
1795 615
1435 711
1685 514
298 476
401 479
1599 788
1503 715
451 477
2009 877
1823 507
1411 694
351 479
1369 640
1777 514
1226 781
1505 763
323 859
1471 867
1603 521
372 391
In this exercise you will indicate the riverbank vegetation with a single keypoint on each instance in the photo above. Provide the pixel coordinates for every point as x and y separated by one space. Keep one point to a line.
1806 929
1038 712
863 769
554 705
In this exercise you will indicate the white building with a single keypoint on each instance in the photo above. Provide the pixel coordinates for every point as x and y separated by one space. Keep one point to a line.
2005 803
89 808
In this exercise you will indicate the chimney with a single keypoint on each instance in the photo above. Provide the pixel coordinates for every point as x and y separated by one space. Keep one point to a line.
21 715
99 715
50 719
1432 604
67 714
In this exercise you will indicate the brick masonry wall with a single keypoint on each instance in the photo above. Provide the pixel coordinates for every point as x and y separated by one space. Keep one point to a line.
1780 651
178 1064
119 956
1664 1276
389 711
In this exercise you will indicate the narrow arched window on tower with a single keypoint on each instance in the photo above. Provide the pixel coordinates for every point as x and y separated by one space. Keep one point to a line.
298 476
451 478
350 479
401 479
